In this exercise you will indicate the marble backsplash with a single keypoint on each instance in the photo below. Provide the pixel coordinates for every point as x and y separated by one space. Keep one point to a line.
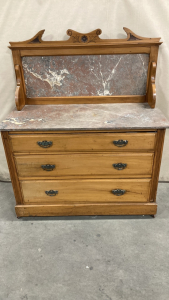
85 75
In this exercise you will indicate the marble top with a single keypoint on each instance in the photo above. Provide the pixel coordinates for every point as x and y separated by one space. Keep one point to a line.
85 117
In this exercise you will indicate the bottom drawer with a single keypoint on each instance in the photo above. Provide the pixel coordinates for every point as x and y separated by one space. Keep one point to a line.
85 191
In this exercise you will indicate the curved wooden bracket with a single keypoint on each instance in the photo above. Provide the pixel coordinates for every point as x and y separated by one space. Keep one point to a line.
19 94
37 39
151 92
131 36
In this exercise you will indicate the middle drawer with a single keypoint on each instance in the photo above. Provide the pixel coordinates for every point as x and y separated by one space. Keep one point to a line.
96 165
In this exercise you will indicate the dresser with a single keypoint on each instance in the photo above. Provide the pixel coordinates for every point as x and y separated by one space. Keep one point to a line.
85 137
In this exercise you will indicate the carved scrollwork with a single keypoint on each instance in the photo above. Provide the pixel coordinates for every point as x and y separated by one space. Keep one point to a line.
93 38
69 32
76 37
98 31
84 39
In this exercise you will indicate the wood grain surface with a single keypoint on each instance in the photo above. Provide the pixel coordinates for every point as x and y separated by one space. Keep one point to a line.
71 191
85 164
86 209
144 141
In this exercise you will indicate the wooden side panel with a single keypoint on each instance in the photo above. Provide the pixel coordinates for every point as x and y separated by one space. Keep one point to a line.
12 168
144 141
94 191
86 209
157 163
85 165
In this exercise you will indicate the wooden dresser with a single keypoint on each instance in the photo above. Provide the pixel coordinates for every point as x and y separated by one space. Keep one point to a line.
85 138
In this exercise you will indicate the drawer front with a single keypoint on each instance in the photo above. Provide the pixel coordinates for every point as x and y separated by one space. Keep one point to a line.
118 165
44 143
123 190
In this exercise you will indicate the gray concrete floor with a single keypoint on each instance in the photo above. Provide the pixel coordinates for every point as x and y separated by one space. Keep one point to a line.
84 258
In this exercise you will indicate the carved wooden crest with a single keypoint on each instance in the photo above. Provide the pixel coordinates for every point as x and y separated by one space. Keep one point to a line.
86 39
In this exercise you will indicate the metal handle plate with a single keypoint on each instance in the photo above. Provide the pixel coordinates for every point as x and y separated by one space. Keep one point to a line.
120 143
48 167
118 192
45 144
51 193
119 166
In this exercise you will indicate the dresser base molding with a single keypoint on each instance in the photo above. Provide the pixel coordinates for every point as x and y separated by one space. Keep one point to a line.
85 209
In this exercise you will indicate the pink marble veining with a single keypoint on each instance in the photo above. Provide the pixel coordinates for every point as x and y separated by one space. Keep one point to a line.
85 75
85 117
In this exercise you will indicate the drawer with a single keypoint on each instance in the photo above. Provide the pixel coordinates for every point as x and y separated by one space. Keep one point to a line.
96 191
130 164
139 141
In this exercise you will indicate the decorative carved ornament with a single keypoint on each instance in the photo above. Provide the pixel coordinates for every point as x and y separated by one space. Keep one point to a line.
85 39
76 37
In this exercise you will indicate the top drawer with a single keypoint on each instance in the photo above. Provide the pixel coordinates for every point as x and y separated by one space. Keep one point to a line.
52 142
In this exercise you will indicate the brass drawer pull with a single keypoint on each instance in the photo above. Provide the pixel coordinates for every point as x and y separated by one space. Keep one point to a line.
119 166
120 143
48 167
51 193
45 144
118 192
